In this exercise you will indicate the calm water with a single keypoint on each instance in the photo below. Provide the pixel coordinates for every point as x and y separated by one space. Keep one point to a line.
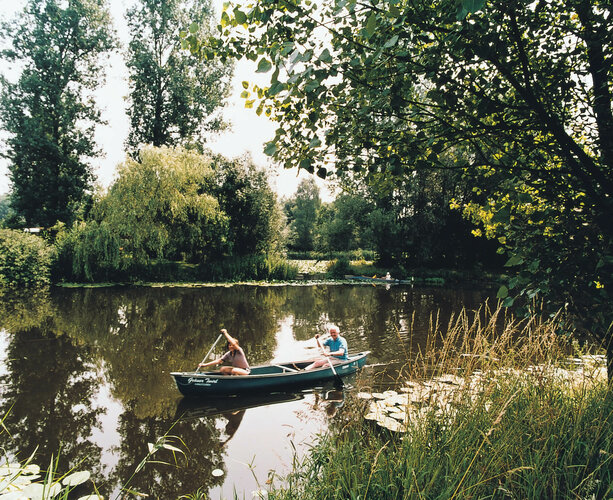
86 372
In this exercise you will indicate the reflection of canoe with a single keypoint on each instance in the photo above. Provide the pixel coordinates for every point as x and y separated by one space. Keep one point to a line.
262 378
197 407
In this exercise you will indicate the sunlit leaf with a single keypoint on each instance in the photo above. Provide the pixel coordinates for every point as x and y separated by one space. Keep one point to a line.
172 448
240 16
503 292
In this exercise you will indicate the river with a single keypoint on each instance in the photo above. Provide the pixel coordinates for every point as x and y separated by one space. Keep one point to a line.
84 372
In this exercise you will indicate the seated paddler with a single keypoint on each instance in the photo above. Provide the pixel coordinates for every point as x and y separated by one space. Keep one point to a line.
337 349
235 358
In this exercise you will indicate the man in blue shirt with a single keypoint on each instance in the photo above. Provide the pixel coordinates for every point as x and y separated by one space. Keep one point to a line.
337 348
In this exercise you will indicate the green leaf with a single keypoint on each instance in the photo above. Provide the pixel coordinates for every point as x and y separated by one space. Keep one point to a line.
514 261
264 66
306 164
315 142
193 28
503 292
371 24
473 6
270 149
325 56
391 42
240 16
275 88
503 215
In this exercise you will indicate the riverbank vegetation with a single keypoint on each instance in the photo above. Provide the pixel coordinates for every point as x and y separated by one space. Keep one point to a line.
531 420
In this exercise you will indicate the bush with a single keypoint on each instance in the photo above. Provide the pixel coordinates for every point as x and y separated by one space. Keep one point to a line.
25 259
253 267
340 267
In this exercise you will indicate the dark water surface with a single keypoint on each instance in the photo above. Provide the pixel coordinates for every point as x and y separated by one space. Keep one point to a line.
86 372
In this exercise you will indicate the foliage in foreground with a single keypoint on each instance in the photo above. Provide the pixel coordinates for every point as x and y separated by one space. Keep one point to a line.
524 434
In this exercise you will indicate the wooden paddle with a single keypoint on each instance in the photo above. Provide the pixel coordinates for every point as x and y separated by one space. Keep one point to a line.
208 353
337 377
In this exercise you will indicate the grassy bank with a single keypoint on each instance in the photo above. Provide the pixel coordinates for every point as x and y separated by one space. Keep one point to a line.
522 424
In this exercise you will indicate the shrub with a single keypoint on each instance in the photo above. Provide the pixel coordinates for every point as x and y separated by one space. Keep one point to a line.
252 267
25 259
340 267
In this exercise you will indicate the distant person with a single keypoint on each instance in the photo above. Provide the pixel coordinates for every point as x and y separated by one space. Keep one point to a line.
235 357
337 349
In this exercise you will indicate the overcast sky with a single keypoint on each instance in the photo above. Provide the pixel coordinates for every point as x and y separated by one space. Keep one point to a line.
249 131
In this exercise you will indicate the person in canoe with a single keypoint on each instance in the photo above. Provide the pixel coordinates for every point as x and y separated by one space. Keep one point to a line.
235 357
337 348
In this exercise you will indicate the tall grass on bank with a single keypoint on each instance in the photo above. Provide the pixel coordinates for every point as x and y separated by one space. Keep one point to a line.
520 426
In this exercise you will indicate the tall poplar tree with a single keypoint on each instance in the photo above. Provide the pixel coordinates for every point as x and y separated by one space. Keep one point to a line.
174 99
49 111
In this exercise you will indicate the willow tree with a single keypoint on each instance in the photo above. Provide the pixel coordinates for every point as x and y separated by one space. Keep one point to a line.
173 99
516 96
49 112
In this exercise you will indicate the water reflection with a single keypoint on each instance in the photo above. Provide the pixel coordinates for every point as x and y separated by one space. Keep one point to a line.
86 372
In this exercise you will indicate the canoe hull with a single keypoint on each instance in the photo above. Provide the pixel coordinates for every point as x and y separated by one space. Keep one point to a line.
263 378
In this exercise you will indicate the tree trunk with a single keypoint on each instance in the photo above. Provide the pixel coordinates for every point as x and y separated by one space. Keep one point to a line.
610 360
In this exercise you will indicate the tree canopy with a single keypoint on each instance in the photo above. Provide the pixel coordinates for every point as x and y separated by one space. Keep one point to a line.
174 99
514 96
49 111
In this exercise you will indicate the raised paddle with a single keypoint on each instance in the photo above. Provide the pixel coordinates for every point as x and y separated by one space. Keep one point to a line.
337 377
208 353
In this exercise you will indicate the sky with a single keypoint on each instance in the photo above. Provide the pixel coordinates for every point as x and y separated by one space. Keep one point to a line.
248 133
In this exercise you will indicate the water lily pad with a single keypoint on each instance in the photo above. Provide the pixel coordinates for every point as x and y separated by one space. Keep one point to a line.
391 424
91 497
217 473
13 495
8 469
76 478
364 395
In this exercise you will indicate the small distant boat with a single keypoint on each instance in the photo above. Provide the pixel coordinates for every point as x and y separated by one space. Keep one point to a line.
271 377
374 279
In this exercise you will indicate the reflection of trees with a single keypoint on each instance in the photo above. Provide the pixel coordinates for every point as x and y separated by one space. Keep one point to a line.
47 398
385 322
203 455
139 335
143 334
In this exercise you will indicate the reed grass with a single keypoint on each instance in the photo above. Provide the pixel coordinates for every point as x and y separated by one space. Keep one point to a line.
519 427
